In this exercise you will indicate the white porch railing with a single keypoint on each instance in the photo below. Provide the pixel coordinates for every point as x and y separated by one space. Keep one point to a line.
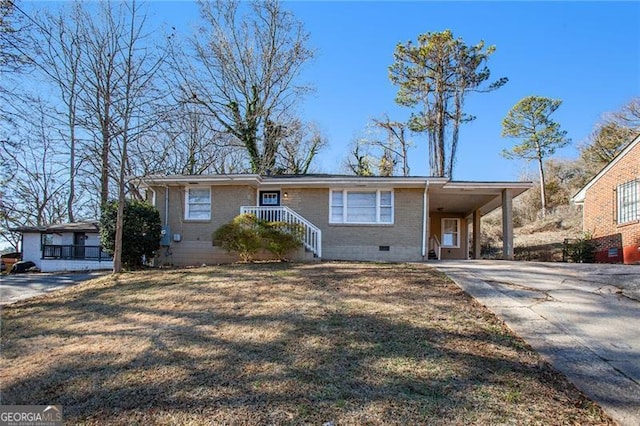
311 234
435 246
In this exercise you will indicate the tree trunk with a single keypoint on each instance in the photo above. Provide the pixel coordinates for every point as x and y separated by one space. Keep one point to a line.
543 196
72 168
117 252
456 129
405 158
441 127
104 164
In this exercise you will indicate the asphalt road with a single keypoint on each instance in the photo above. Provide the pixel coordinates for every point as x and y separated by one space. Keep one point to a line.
14 287
583 319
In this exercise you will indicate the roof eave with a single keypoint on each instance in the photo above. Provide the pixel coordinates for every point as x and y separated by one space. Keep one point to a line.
581 195
225 179
347 181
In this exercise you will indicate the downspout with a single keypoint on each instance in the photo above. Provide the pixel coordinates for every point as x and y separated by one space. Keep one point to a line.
166 205
166 228
424 220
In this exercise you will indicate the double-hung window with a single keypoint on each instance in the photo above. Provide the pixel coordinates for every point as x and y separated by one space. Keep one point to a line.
628 201
197 204
451 233
361 207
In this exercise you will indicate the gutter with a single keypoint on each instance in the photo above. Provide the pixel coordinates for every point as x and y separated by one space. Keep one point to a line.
166 205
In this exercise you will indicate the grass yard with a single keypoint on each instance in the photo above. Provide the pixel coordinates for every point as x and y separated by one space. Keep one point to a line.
347 343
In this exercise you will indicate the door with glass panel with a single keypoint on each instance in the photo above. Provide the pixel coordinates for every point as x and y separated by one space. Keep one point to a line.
269 199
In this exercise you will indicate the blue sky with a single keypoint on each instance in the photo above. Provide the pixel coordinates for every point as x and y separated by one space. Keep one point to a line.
584 53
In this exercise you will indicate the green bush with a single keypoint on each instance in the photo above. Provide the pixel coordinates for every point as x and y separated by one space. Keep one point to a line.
140 233
242 236
246 235
280 238
581 250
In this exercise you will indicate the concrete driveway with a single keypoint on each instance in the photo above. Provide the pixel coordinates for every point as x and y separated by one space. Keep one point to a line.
14 287
582 318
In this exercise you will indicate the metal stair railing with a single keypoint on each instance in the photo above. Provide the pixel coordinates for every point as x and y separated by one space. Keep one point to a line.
434 244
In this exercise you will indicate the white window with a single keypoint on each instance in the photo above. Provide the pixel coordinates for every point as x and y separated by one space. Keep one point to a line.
451 233
197 204
362 207
628 201
337 207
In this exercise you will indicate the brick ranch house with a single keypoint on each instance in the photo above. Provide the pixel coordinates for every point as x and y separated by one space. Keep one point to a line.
343 217
611 207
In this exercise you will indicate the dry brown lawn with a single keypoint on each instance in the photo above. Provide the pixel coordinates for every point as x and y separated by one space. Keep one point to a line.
336 343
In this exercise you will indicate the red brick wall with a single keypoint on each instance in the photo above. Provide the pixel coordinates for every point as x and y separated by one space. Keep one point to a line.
600 210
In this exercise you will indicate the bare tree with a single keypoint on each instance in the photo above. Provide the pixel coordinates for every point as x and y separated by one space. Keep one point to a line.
359 161
101 33
396 145
382 149
610 136
37 188
299 148
134 69
243 73
186 141
12 32
629 114
58 55
15 59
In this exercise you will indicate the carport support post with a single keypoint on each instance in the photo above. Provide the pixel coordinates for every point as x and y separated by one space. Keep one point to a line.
476 234
507 225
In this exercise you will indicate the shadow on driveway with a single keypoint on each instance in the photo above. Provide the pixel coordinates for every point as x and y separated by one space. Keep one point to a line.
582 318
15 287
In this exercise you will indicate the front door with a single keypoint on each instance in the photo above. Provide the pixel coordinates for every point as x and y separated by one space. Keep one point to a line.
78 245
269 198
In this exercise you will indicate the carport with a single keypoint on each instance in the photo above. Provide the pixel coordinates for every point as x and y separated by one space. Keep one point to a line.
471 201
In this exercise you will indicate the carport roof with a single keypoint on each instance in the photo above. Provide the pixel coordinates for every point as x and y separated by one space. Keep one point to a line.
466 197
88 226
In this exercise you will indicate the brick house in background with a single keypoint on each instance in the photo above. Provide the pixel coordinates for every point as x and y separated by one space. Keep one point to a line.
611 207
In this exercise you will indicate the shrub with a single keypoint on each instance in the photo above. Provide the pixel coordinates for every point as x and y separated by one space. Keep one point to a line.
280 238
581 250
246 235
140 233
242 236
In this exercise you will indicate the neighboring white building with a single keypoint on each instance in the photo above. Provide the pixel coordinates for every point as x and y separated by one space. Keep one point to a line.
64 247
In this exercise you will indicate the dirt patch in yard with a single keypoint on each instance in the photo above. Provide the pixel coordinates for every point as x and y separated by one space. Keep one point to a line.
346 343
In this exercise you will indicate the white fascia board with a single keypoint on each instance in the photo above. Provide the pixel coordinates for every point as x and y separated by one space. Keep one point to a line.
488 185
351 182
201 179
580 195
494 188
